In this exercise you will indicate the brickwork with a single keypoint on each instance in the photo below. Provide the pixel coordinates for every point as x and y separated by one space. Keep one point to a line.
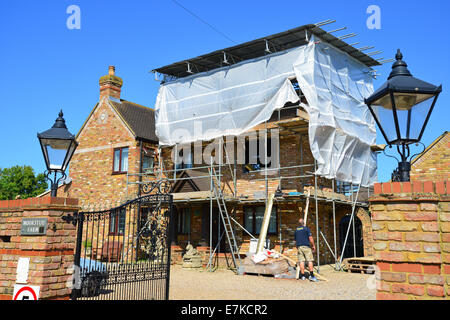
434 163
110 85
367 232
91 168
411 223
294 151
51 255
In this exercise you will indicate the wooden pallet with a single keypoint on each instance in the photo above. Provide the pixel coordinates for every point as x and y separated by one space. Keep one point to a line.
362 265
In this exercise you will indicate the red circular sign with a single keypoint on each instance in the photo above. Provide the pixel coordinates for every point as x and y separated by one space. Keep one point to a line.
25 289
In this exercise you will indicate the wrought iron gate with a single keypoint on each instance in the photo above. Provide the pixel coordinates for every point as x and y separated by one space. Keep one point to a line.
124 253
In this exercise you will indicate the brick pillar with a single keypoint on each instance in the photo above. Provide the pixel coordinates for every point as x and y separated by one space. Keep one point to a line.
51 255
366 222
411 226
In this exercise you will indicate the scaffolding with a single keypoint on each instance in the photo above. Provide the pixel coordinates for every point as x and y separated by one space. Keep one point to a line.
298 54
341 192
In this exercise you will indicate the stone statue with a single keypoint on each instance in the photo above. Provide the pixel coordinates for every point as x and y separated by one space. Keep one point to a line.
190 251
192 258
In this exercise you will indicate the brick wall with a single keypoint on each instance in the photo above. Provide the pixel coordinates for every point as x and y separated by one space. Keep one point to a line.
433 164
411 223
292 149
367 232
51 255
92 164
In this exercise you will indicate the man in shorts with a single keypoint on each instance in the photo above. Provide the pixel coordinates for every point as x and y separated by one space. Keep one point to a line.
305 248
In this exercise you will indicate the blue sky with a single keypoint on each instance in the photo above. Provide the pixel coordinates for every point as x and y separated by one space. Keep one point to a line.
44 66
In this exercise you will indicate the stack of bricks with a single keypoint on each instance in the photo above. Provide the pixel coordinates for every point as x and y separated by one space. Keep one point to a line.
51 255
411 226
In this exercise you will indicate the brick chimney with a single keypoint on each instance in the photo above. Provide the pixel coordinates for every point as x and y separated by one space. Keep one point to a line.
110 85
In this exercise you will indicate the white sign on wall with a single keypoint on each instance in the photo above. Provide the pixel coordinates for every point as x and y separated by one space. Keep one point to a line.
23 265
24 292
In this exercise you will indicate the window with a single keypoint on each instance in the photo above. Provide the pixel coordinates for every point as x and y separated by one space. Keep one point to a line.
184 221
257 161
120 163
254 217
147 163
117 222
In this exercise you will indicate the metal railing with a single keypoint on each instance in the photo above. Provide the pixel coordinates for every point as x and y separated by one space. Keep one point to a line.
123 253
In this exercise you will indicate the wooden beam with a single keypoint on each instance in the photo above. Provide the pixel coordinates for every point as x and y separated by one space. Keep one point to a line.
377 147
303 114
265 224
191 195
305 216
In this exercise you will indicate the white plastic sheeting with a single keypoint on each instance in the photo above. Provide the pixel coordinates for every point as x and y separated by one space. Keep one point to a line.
226 101
232 100
341 128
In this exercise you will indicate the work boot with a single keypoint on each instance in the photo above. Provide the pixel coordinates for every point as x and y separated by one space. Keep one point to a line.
312 278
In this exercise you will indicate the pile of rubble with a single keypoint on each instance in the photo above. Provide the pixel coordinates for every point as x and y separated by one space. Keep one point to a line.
267 262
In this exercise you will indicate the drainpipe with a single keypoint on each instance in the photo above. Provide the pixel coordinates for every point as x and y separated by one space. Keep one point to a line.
140 167
139 204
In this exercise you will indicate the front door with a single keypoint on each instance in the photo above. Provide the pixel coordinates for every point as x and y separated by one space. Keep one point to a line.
354 246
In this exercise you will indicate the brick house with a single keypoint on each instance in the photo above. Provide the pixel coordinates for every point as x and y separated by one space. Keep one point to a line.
116 140
117 143
433 164
118 152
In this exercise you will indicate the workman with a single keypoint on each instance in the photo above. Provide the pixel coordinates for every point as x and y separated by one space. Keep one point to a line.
305 248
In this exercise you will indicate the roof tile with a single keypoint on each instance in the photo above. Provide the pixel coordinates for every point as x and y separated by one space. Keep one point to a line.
140 119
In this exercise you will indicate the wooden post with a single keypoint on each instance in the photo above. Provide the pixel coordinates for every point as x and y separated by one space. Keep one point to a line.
305 216
265 224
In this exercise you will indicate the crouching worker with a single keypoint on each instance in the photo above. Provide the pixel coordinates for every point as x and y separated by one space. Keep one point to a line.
305 247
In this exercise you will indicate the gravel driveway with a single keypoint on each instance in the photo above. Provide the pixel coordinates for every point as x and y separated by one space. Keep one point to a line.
225 285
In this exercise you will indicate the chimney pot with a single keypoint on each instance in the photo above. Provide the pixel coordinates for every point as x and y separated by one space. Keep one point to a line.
110 84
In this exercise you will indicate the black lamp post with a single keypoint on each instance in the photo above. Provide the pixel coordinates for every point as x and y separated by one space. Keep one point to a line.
58 146
402 107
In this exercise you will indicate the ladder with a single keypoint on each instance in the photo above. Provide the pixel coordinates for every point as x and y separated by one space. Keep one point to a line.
226 221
